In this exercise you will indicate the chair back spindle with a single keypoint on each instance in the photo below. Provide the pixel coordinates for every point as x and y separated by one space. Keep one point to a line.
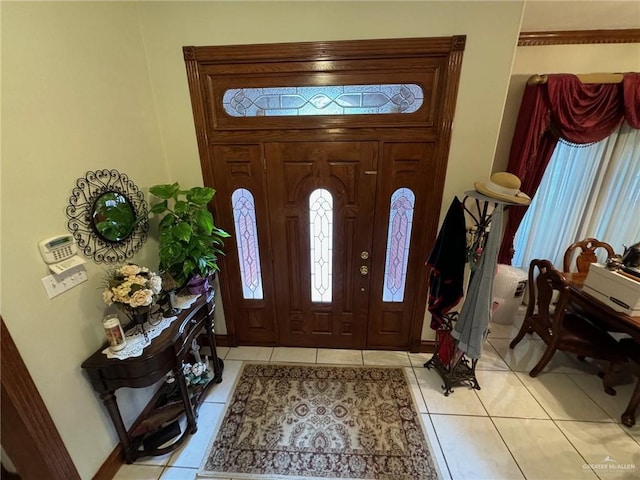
586 254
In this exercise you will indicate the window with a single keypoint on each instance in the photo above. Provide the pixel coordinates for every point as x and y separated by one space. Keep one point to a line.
586 191
323 100
399 234
321 244
244 218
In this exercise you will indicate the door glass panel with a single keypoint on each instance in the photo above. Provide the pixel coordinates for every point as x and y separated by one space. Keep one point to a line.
399 234
321 244
244 217
323 100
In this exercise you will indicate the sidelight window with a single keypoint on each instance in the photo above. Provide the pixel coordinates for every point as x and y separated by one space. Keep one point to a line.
244 218
321 244
398 238
323 100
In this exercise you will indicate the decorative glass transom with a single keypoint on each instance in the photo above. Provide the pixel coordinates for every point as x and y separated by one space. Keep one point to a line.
244 218
327 100
321 244
400 223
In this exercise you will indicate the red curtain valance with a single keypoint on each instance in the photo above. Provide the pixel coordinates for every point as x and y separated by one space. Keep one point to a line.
563 107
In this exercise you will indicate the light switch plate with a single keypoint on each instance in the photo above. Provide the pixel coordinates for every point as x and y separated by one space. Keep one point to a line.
57 284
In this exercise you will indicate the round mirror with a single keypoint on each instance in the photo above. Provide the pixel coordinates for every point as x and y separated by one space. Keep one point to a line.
107 216
113 217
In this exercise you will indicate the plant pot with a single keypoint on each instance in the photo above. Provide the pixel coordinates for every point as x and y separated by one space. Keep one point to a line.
199 285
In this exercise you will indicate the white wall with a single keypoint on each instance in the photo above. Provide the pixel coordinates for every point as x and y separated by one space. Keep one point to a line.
92 85
76 96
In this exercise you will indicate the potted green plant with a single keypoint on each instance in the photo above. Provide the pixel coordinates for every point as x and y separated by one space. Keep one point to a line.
189 240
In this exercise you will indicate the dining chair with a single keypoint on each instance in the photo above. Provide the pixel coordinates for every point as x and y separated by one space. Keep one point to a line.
561 328
631 349
586 254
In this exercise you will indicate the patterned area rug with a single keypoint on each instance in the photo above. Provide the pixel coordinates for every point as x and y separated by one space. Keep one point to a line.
318 422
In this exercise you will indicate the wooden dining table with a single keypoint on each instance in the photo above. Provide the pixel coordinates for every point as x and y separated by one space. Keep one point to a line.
614 321
611 320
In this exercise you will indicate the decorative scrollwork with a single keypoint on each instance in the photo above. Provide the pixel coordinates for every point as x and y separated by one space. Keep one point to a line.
82 212
458 42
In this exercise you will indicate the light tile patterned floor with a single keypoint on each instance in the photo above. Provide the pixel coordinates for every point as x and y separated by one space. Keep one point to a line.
550 427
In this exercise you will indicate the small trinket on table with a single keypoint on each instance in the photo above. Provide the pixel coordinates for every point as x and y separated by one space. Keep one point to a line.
113 331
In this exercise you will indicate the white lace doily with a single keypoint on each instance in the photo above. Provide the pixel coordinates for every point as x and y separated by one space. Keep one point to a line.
182 302
136 341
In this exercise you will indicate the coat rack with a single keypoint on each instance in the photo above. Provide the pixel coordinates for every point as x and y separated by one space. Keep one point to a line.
453 365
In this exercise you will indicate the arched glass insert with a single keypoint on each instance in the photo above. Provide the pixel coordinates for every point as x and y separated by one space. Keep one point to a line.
400 223
244 218
321 244
323 100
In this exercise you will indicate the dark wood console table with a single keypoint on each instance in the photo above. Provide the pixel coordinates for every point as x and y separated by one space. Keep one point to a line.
164 354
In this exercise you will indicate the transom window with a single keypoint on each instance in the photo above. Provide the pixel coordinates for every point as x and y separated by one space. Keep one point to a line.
323 100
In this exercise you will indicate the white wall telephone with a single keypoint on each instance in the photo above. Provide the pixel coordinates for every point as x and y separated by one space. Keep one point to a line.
60 253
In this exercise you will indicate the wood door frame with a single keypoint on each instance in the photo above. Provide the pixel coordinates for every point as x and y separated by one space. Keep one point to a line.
313 62
29 435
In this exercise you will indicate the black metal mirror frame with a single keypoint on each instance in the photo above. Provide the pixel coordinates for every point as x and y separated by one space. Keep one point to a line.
80 212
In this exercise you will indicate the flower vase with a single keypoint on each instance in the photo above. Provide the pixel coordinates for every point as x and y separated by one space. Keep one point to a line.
139 316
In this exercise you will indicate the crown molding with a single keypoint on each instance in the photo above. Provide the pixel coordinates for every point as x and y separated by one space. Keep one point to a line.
578 37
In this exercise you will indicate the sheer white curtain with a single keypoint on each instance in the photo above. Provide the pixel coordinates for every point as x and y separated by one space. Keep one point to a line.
586 191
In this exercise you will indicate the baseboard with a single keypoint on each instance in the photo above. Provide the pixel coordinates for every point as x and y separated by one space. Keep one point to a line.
111 465
222 341
427 346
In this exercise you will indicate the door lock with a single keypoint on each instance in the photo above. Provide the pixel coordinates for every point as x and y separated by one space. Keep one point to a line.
364 255
364 270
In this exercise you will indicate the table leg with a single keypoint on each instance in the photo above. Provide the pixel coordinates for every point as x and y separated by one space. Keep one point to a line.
188 407
218 366
111 404
629 416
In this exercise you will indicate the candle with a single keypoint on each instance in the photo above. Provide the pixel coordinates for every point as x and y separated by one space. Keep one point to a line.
114 333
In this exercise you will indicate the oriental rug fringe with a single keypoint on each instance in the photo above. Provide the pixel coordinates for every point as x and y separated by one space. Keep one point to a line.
320 422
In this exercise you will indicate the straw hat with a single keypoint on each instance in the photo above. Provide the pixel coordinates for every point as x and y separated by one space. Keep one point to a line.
503 186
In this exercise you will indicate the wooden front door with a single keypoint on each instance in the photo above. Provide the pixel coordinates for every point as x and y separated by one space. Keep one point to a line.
321 198
329 183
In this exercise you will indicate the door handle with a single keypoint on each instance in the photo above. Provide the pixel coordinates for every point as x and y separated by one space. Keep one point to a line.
364 255
364 270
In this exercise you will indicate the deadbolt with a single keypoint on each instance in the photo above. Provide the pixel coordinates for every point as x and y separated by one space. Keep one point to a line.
364 255
364 270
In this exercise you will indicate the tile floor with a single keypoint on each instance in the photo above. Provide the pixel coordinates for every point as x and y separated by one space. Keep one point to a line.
560 425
